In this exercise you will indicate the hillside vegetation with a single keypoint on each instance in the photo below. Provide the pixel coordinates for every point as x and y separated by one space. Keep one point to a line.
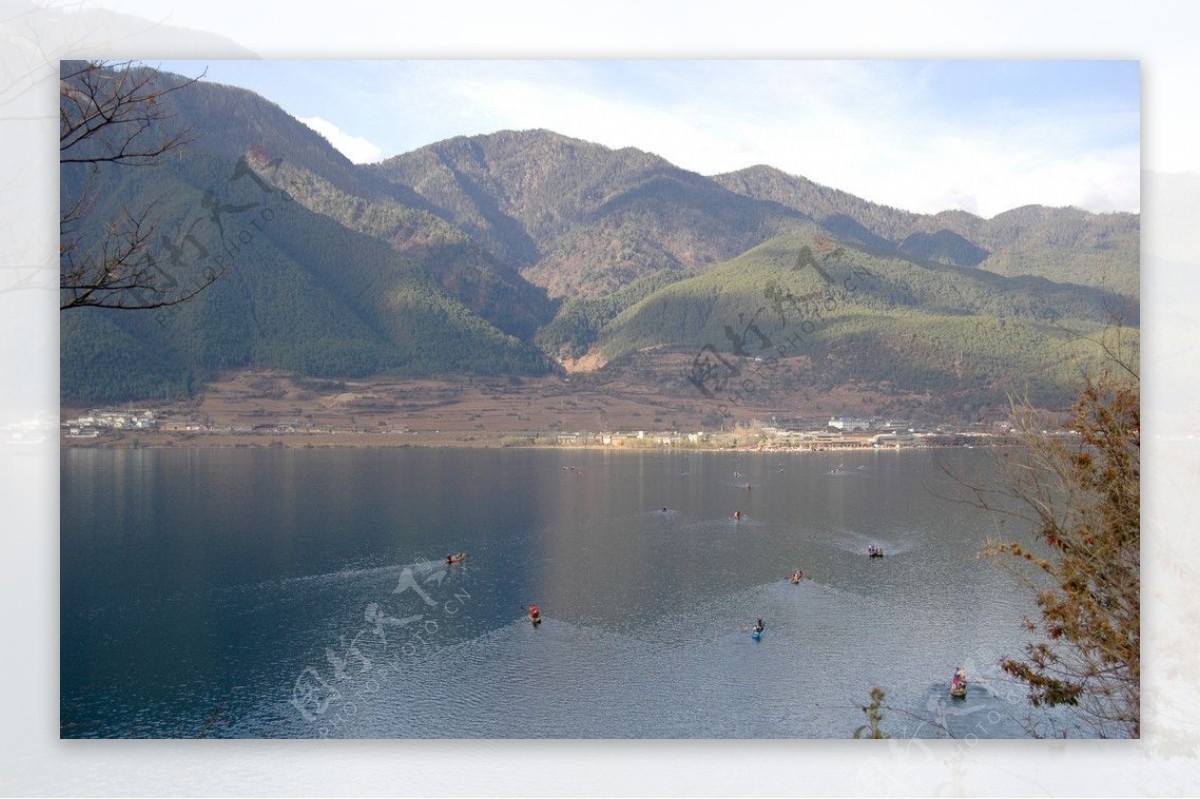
878 319
516 252
298 292
1065 245
580 219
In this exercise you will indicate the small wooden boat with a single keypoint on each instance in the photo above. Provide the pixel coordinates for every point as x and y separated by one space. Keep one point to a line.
457 557
958 686
797 577
874 551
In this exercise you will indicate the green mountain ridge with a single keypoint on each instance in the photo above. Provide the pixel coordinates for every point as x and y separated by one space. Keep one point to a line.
462 268
1065 245
300 292
578 218
232 122
486 254
877 319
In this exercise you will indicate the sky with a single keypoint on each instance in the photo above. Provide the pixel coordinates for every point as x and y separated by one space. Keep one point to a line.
925 136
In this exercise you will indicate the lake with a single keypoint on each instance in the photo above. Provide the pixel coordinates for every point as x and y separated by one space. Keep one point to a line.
248 592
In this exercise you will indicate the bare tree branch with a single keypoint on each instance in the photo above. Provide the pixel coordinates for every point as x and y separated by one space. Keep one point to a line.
115 115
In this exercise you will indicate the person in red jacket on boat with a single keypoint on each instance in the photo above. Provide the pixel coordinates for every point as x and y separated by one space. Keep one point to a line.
535 615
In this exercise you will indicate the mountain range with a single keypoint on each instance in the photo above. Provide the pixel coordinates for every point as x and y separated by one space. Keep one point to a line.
529 252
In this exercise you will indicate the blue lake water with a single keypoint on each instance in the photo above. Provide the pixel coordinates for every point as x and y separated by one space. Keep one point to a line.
304 593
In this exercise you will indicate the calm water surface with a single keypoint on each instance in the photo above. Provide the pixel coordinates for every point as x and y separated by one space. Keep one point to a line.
304 593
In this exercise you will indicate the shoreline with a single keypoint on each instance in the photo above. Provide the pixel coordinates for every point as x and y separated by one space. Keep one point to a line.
720 442
271 409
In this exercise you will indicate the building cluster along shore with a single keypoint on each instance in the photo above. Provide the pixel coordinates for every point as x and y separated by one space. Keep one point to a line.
147 427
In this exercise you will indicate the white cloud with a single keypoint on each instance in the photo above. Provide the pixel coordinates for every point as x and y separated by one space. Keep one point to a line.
877 130
987 176
356 148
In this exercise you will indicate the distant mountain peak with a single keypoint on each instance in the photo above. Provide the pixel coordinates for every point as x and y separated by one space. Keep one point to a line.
482 252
